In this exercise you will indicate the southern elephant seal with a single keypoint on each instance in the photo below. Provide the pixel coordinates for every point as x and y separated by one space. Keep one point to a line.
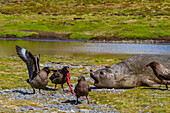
130 73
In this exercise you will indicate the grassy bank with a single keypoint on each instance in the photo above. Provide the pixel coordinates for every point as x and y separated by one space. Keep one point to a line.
145 99
85 19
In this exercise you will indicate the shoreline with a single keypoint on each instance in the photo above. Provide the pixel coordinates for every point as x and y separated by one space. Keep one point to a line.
50 36
125 41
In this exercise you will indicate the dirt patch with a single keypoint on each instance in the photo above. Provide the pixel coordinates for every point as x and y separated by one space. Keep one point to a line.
49 35
42 35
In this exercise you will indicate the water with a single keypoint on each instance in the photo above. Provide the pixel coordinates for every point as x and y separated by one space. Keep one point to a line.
61 48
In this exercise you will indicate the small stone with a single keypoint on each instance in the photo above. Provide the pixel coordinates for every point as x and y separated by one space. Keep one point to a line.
83 110
16 107
31 109
46 108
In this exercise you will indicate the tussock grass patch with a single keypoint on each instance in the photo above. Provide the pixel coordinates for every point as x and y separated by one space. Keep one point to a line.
82 19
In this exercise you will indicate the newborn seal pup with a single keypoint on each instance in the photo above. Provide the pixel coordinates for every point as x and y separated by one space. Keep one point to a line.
82 88
130 73
60 76
38 79
161 72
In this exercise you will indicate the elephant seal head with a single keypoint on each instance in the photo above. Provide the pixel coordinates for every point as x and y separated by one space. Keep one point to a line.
103 78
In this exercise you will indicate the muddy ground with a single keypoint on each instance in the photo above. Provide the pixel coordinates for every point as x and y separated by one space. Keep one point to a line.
59 36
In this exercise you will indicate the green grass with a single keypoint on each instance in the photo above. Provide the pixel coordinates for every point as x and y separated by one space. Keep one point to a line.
135 100
13 71
133 19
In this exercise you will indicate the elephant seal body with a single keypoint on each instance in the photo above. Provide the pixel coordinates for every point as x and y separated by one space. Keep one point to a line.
130 73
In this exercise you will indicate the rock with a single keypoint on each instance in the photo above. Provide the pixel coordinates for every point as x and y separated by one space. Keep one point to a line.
45 103
46 108
84 110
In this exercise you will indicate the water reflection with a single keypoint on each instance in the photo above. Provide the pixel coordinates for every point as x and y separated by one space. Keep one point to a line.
7 47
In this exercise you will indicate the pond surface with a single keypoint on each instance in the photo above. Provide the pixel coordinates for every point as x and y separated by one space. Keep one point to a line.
62 48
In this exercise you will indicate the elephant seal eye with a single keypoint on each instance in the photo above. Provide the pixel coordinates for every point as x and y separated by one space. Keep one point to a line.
91 71
101 73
